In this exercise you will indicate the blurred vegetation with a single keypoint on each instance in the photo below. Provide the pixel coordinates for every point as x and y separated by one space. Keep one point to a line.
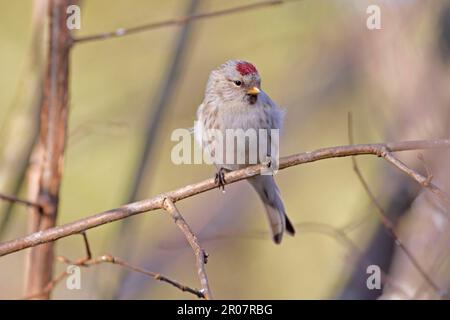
305 53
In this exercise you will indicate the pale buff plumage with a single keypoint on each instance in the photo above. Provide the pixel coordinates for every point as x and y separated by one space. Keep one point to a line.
229 106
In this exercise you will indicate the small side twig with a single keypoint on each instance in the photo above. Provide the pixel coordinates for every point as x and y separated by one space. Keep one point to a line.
200 254
13 199
87 246
425 182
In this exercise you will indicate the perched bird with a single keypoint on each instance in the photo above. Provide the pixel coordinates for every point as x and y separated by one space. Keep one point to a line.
234 100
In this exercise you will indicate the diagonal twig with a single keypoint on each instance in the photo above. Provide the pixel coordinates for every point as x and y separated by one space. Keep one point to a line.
201 256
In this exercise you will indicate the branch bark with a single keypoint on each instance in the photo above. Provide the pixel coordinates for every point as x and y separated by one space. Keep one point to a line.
46 172
157 202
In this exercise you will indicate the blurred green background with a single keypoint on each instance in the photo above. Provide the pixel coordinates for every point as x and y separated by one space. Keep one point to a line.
308 55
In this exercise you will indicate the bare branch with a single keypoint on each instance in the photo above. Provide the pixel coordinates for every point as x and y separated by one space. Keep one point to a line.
201 256
46 172
178 21
107 258
157 202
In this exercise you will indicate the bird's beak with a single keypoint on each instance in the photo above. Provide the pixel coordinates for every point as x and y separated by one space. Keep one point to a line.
253 91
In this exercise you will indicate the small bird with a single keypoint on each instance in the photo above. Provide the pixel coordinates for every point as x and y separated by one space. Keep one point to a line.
234 100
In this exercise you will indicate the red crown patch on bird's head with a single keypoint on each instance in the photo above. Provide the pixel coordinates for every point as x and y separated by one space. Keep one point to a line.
245 68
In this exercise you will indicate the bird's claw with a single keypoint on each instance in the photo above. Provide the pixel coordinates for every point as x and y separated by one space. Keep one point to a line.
220 179
268 168
268 162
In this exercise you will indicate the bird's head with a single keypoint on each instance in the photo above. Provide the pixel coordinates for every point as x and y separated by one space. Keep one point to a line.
235 81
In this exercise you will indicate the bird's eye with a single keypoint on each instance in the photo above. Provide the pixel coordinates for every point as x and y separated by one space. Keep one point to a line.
238 83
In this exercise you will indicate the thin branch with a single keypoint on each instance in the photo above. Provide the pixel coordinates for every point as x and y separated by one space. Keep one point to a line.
178 21
13 199
157 202
389 226
106 258
114 260
87 246
159 277
88 261
201 256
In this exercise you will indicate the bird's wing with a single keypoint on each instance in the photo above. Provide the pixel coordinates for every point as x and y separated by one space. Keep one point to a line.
197 130
277 113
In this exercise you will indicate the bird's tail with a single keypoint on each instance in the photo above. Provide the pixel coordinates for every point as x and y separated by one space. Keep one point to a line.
269 193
